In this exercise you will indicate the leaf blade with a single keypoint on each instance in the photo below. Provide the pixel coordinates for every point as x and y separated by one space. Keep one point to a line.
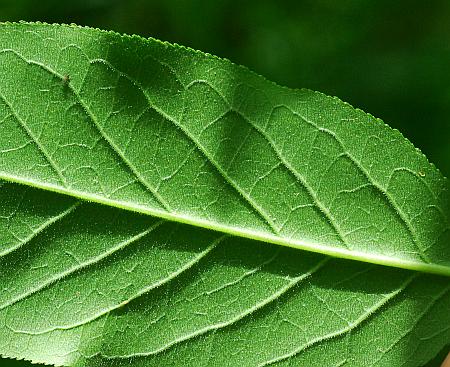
163 130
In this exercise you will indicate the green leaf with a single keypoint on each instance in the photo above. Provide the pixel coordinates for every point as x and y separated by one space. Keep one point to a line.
151 193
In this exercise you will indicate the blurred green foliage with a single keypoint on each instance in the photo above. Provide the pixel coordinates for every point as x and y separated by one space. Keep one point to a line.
390 58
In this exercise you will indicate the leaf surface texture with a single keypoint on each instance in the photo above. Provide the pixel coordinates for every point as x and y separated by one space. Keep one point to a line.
163 207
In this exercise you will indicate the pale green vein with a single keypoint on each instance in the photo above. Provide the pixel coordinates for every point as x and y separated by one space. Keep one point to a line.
311 192
41 228
426 310
186 266
351 325
34 139
384 193
293 281
241 277
112 145
241 193
82 265
424 182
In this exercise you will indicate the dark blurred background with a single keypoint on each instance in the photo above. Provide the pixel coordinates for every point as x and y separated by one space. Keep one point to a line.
389 58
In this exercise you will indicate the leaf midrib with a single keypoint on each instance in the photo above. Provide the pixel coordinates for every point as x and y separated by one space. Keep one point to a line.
237 231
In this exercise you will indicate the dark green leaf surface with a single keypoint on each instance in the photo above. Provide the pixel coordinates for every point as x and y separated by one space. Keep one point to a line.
185 150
